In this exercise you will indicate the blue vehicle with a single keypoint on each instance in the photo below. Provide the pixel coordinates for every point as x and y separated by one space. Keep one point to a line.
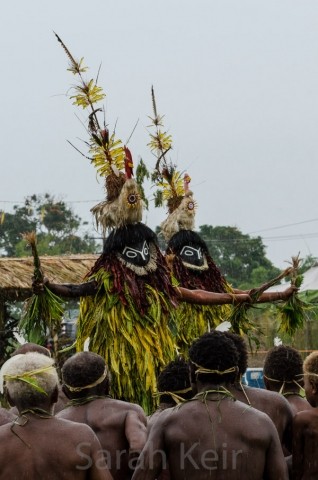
253 377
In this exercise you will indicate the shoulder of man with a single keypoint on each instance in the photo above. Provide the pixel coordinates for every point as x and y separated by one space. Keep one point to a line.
274 399
305 417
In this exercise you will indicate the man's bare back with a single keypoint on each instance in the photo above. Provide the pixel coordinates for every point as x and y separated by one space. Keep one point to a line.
305 466
271 403
213 436
216 439
305 426
120 428
50 449
297 403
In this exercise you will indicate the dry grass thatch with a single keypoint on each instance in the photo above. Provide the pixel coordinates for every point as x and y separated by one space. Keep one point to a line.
16 273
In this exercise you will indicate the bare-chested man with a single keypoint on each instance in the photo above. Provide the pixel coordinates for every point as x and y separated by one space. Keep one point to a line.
120 426
173 385
213 436
305 438
271 403
283 373
37 445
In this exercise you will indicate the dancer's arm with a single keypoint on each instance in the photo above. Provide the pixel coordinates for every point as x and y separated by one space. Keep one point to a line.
70 290
204 297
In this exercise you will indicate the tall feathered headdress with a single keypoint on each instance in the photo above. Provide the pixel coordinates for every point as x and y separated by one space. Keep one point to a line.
112 159
173 186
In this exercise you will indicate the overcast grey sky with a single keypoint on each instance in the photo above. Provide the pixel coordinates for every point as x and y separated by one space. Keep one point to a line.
237 81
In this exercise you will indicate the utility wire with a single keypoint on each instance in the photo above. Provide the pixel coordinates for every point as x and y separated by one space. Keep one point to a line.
278 238
229 240
284 226
65 201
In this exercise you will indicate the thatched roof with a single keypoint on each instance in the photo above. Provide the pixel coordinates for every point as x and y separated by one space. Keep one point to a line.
16 273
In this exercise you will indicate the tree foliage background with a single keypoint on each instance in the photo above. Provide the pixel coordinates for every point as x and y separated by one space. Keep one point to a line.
241 258
56 226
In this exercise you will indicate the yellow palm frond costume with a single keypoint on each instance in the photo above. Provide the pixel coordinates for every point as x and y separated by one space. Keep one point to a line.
130 315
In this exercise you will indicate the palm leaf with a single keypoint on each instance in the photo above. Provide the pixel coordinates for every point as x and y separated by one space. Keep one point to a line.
239 318
294 311
43 311
32 381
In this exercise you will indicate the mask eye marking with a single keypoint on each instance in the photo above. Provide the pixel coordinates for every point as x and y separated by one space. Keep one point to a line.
132 199
141 256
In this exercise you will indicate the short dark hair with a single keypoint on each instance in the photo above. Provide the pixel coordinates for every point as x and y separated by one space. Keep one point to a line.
214 351
31 347
83 369
173 378
283 363
241 348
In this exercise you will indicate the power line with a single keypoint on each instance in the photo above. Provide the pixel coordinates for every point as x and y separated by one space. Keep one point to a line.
297 236
249 233
278 238
65 201
284 226
229 240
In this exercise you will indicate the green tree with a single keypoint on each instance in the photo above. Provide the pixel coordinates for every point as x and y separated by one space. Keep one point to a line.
55 224
241 258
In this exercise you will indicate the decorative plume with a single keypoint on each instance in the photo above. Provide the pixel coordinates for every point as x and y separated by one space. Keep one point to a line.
75 67
173 186
160 142
106 153
109 156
